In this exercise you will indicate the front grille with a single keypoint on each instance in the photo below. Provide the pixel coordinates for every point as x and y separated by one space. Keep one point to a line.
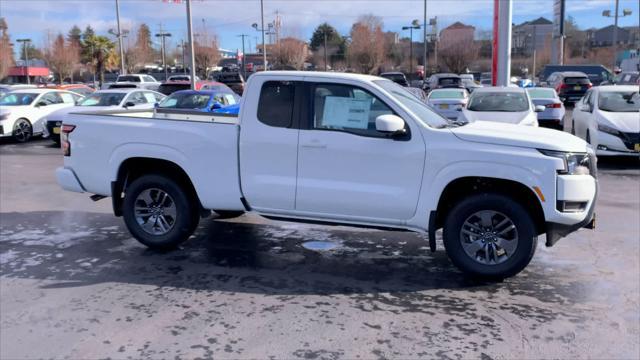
630 139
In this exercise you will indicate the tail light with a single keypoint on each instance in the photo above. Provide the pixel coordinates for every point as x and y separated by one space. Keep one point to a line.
64 139
553 106
561 86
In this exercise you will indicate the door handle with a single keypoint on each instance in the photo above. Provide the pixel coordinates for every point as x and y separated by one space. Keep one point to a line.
314 144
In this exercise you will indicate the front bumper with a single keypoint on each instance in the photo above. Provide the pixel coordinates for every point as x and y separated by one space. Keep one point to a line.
556 231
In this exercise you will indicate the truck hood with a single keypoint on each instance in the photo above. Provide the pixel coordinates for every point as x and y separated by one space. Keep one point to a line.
519 135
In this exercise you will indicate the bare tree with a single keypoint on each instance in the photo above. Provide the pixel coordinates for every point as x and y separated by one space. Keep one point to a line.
6 52
291 52
366 50
458 55
207 54
62 57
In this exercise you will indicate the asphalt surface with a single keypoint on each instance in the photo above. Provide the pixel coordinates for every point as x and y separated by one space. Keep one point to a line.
74 284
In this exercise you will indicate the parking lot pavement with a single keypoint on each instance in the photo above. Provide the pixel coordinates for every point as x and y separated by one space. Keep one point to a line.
74 284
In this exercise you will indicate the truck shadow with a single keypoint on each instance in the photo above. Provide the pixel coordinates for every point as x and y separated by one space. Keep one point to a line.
73 249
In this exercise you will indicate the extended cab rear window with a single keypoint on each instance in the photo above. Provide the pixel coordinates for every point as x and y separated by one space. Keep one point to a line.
275 107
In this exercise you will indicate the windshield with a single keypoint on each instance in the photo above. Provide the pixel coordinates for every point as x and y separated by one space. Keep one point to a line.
498 101
104 99
541 93
446 94
627 101
417 107
395 77
17 99
186 101
128 79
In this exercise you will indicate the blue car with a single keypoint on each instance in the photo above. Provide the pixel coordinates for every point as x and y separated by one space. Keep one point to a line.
230 109
202 100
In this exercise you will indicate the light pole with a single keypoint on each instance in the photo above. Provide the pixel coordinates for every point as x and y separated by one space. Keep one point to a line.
122 68
25 45
182 46
191 52
424 41
242 63
264 45
533 44
607 13
163 35
415 24
325 48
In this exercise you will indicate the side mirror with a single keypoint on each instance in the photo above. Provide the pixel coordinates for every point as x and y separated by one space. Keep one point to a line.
585 108
129 104
156 105
41 103
216 105
539 108
390 123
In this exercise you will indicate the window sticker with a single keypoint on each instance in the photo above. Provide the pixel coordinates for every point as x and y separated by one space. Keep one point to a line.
345 112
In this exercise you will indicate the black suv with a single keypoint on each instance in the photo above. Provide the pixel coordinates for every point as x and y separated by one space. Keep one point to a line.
570 85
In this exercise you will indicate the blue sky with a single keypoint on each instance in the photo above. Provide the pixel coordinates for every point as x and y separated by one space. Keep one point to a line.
228 18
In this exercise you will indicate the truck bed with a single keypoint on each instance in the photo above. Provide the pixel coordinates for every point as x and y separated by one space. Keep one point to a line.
204 145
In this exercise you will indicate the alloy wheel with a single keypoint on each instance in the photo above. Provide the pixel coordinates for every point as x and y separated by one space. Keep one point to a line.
489 237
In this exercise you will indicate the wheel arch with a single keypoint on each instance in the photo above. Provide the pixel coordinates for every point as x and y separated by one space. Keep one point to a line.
135 167
462 187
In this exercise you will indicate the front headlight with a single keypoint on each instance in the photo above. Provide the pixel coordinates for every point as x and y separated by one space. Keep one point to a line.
574 163
608 129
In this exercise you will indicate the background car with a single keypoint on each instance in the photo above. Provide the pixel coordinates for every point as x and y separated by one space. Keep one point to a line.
625 78
553 114
232 79
448 102
397 77
182 77
201 100
470 85
22 112
138 99
5 88
608 118
169 87
501 104
80 89
570 85
444 80
596 73
142 81
419 93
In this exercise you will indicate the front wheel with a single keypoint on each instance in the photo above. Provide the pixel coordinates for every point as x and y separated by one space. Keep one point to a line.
490 236
158 212
22 130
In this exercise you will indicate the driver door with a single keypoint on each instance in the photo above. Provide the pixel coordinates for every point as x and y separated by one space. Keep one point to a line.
346 168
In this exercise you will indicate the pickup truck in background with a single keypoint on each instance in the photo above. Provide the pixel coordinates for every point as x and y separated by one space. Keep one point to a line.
337 149
140 81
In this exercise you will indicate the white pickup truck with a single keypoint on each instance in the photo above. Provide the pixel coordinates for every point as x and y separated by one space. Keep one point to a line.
337 149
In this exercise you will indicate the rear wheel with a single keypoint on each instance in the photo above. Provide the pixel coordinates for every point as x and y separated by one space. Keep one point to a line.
158 212
22 130
490 236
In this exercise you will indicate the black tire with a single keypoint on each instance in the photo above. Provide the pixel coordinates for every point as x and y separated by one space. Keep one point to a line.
186 212
22 130
56 139
524 225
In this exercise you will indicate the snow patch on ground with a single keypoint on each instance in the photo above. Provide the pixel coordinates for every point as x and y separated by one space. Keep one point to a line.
36 237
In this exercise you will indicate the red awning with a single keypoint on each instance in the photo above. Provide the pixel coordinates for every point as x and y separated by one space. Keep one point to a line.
33 71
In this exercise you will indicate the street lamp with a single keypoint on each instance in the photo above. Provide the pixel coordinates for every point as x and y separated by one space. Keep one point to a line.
25 45
415 24
163 35
242 63
264 45
182 47
120 34
607 13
